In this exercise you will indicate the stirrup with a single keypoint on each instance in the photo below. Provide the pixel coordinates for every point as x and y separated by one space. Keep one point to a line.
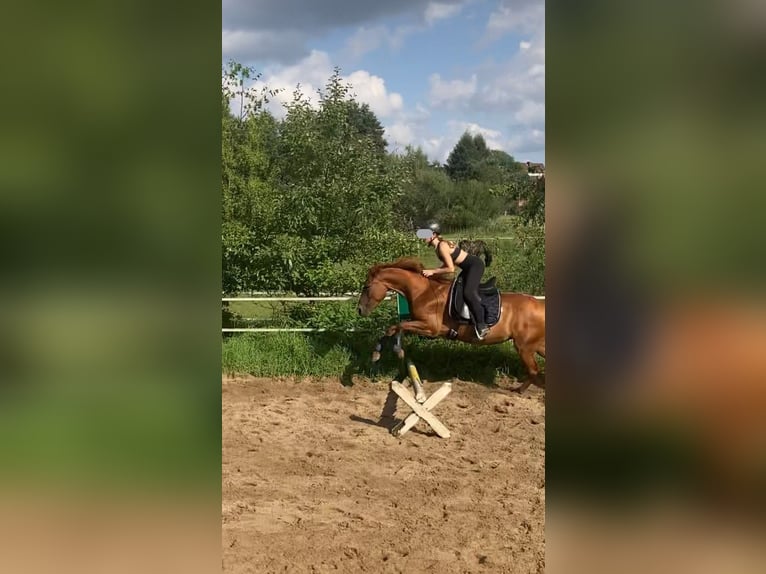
480 335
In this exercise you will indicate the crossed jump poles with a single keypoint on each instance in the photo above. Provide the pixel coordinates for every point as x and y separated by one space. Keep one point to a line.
420 404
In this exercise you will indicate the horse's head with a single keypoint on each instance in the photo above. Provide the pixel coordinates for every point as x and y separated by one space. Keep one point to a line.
373 292
399 276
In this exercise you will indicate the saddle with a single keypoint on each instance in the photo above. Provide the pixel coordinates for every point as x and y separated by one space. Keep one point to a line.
490 300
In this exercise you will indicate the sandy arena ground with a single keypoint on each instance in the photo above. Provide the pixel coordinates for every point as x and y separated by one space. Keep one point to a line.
313 482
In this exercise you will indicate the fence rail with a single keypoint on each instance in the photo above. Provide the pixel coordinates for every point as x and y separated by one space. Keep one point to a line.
252 299
297 329
281 330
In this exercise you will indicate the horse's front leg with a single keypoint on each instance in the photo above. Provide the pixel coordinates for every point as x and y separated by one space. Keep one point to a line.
378 348
398 329
398 349
390 332
417 327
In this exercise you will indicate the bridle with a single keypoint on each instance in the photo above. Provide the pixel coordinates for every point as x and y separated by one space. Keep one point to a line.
366 288
367 285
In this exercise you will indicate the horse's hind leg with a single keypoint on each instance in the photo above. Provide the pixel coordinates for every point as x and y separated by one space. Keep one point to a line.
527 354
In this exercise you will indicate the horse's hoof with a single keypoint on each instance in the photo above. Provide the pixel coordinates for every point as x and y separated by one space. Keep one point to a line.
400 353
375 357
521 388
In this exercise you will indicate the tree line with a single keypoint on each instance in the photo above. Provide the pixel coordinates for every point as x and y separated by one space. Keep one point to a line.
311 200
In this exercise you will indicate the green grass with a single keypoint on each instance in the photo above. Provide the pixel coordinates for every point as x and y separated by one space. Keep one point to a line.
256 314
253 309
274 354
344 355
503 226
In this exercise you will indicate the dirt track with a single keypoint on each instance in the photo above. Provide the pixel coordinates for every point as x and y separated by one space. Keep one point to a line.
312 482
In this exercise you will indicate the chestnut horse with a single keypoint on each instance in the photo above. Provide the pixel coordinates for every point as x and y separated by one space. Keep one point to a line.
522 318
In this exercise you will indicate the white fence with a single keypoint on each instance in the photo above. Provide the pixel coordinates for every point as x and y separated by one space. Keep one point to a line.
286 298
347 297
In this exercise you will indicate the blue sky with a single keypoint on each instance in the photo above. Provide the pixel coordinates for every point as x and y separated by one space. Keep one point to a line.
429 70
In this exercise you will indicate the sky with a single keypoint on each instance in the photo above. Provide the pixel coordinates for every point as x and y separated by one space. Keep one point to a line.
429 70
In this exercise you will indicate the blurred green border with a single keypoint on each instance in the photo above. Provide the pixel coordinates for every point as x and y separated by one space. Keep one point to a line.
110 360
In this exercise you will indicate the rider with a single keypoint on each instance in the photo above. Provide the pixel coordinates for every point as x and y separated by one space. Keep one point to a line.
472 269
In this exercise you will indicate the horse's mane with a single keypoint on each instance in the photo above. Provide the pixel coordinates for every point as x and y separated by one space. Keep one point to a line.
407 263
412 264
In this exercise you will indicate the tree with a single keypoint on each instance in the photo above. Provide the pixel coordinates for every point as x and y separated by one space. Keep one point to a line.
497 168
247 139
427 192
366 124
470 204
528 193
466 157
308 202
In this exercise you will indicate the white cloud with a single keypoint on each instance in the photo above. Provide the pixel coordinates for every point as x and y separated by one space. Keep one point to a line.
530 113
537 70
366 40
511 92
522 16
399 135
440 11
448 93
507 95
516 88
240 45
291 24
312 73
494 138
437 148
523 145
313 15
529 145
372 90
422 112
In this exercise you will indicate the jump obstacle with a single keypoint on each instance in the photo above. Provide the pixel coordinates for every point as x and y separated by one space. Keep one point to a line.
420 404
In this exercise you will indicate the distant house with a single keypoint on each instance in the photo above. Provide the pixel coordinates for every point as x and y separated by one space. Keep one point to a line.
535 169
